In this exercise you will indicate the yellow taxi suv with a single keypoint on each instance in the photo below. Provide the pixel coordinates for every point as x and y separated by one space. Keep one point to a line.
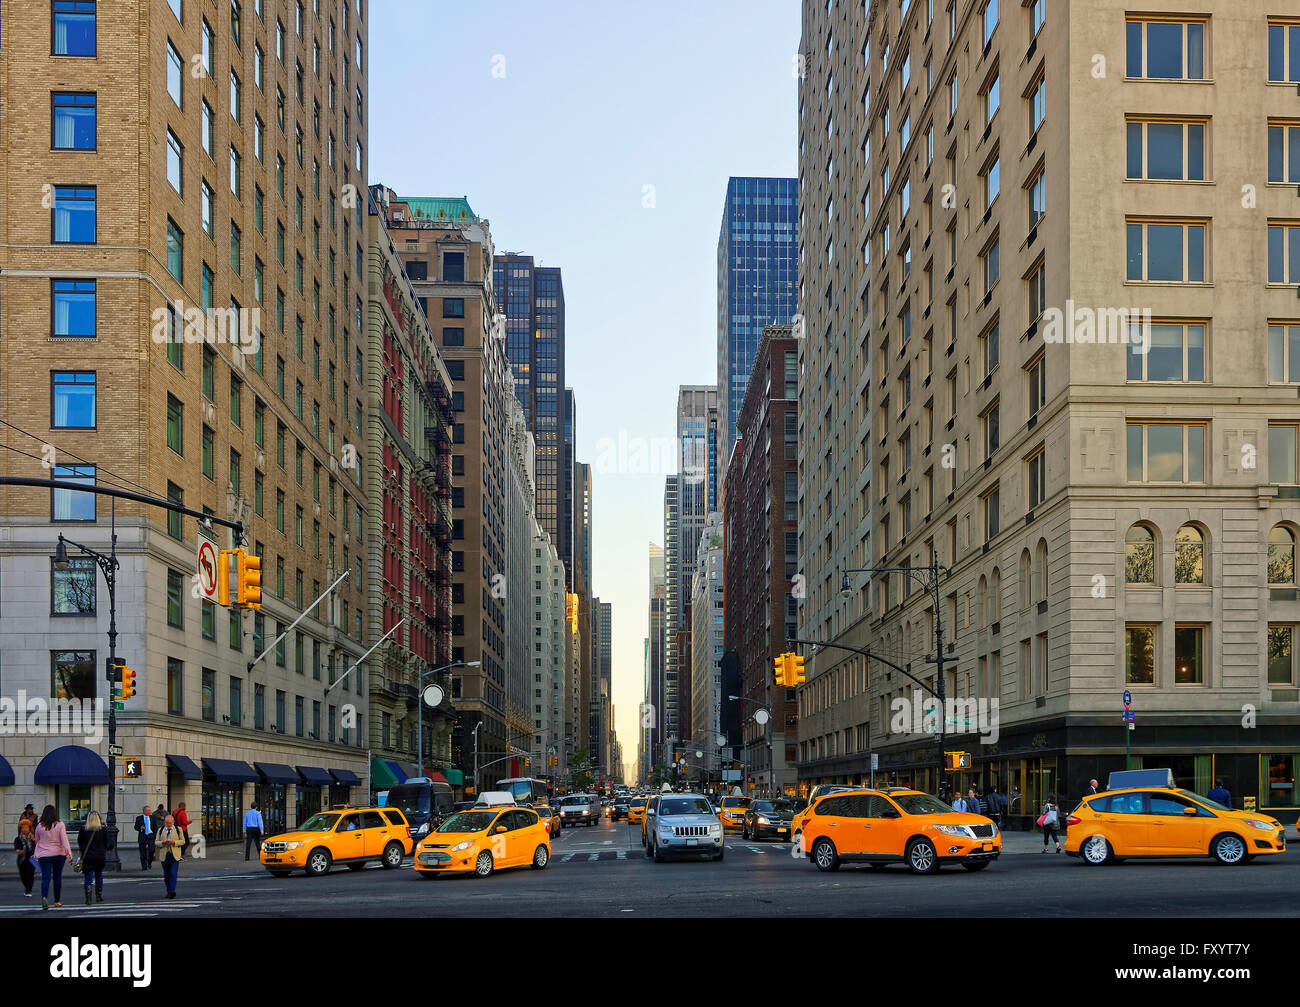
483 840
732 814
353 837
880 827
1167 822
636 811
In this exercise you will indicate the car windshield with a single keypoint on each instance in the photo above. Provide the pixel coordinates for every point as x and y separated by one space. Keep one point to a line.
638 803
1203 800
410 800
922 804
684 806
735 802
319 823
468 821
762 805
571 801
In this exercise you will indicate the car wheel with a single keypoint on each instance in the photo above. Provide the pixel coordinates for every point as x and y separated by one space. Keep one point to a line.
824 855
392 857
318 862
279 874
1095 850
659 857
922 857
541 857
483 865
1229 848
976 867
718 856
645 846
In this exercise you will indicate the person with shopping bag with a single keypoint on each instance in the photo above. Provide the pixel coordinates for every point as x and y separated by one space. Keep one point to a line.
1048 822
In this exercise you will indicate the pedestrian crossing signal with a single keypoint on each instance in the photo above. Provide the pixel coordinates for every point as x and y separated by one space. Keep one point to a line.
957 760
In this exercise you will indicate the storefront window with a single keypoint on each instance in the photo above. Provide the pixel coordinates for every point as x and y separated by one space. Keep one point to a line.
307 799
73 804
222 814
272 803
340 795
1277 780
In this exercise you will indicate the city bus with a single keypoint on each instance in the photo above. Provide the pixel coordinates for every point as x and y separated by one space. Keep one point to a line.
524 789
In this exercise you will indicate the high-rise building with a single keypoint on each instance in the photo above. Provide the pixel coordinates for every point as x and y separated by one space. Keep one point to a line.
173 311
653 711
532 299
761 510
1110 520
602 660
706 644
408 421
666 710
548 668
520 521
758 265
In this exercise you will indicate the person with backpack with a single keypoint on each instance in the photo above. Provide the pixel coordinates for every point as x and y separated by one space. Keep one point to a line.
959 803
92 841
1048 821
183 823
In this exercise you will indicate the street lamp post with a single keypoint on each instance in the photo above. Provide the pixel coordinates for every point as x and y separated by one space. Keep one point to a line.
928 577
766 723
108 565
419 703
474 733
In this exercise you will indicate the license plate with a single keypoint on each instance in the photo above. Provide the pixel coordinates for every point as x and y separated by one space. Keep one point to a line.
272 860
988 847
692 842
780 830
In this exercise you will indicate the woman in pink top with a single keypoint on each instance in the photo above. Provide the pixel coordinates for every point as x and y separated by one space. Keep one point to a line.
52 852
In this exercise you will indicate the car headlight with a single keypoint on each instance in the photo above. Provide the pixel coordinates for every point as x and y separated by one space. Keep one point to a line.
423 829
954 830
763 821
462 846
1265 826
291 846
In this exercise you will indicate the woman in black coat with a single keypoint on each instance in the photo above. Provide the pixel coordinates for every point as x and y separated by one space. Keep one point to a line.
93 843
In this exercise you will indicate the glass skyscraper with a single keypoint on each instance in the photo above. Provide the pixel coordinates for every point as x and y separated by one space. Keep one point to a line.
758 282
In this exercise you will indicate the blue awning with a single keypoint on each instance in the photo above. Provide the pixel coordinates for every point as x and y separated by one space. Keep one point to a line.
184 765
315 775
276 772
230 770
401 774
6 773
345 777
71 764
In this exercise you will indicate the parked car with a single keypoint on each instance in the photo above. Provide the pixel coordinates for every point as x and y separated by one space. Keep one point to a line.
580 809
1166 822
764 819
682 825
353 837
484 840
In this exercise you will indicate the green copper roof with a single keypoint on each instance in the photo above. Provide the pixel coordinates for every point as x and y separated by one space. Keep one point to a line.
438 208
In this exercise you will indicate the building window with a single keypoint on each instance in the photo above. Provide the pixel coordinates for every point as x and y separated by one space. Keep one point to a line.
209 450
72 125
1166 452
71 505
1281 654
1037 190
1139 655
175 424
1284 352
991 178
72 217
1283 252
991 504
1036 471
175 598
991 429
209 697
73 308
1282 444
72 400
1284 53
1166 50
72 591
1175 351
1140 555
72 674
1169 251
1281 555
175 249
1189 555
175 495
175 679
1038 105
1037 376
74 28
1166 151
1189 655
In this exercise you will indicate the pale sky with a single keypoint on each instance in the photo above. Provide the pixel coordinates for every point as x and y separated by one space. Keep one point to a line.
554 119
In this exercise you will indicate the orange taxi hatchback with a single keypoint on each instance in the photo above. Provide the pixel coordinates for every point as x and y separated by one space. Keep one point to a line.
882 827
482 840
1164 822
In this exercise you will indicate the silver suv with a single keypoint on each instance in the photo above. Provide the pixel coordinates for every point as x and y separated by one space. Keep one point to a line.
678 824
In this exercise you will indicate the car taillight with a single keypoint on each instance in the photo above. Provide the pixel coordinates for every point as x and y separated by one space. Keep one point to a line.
1073 820
408 833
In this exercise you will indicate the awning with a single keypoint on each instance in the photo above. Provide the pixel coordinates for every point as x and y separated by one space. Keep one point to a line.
315 775
184 765
230 770
381 776
437 777
276 772
6 773
399 774
71 764
345 777
454 776
409 769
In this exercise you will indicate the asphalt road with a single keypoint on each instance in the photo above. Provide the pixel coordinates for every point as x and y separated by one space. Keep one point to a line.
603 872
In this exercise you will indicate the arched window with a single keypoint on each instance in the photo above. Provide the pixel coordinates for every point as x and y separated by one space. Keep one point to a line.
1140 555
1042 569
1189 555
995 596
1025 593
1281 555
983 598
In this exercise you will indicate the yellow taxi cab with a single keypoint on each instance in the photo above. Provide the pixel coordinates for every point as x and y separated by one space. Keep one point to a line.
550 818
880 827
482 840
636 810
1168 822
732 814
351 836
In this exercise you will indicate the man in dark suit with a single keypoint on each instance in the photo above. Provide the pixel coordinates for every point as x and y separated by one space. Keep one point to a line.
144 834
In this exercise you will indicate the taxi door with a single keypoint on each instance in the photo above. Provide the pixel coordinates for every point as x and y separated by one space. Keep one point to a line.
350 841
1125 822
885 829
519 837
1171 829
375 831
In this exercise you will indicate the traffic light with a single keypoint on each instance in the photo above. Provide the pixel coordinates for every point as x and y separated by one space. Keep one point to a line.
957 760
223 576
778 669
128 682
795 674
527 762
248 580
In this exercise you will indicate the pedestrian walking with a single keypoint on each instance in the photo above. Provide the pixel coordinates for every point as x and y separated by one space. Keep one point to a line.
994 802
252 830
1048 820
973 805
1090 789
25 850
92 841
171 846
183 822
145 836
959 803
1220 794
29 816
159 813
52 852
